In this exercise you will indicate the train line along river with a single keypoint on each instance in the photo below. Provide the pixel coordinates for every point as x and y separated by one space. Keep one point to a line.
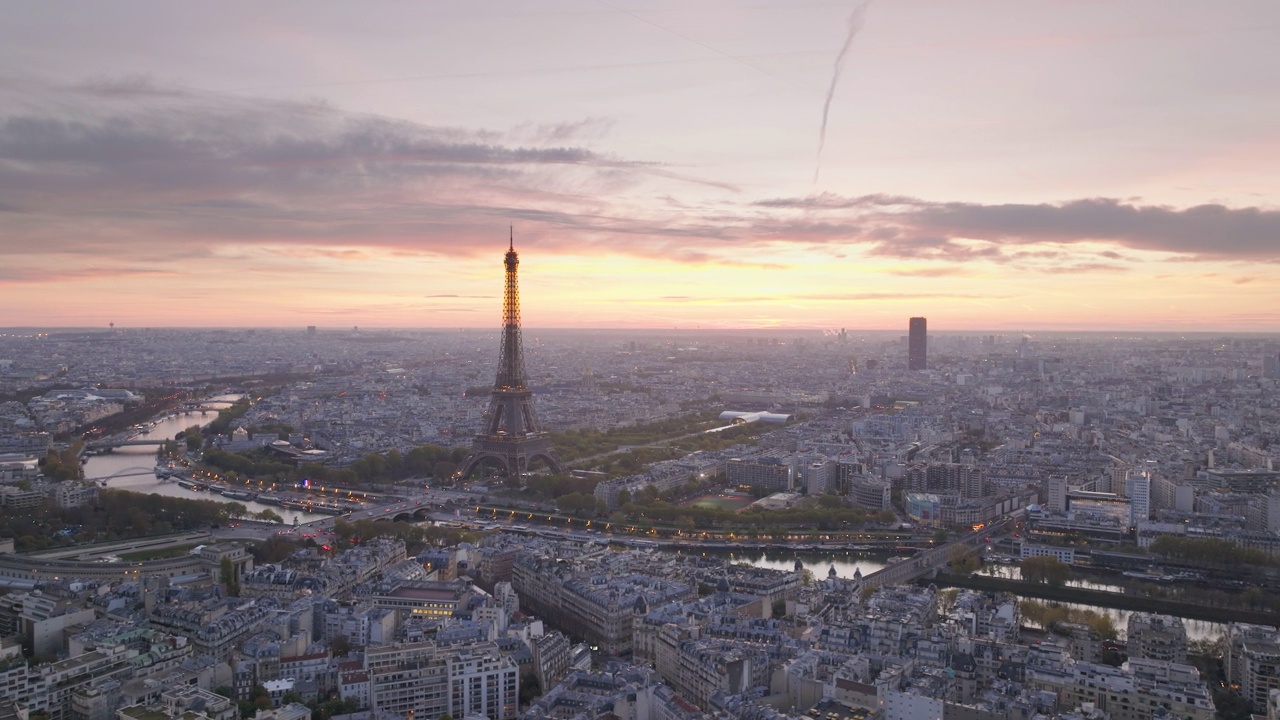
133 468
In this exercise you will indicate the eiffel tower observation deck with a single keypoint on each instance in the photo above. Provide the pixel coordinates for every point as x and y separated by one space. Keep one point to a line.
512 438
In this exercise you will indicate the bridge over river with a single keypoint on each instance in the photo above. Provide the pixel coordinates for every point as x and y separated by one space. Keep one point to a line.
109 443
931 561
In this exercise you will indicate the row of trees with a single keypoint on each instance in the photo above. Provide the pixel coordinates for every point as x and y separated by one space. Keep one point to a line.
277 548
116 515
576 503
64 464
550 487
1051 617
374 468
424 460
1208 551
808 518
415 537
222 424
1045 569
1253 598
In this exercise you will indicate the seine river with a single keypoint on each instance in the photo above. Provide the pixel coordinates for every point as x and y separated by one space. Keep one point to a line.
819 563
846 563
132 468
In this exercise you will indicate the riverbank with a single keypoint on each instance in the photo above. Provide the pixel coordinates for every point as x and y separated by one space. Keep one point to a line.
1101 598
133 468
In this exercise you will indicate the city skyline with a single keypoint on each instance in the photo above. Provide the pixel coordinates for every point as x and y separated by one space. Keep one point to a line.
994 167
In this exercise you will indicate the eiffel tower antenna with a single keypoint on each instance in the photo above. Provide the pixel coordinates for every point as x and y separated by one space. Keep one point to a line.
512 436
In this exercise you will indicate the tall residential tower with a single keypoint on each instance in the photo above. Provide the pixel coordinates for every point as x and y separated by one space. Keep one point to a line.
917 344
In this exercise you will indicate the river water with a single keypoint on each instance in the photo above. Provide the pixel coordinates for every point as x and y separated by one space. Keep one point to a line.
1196 629
819 563
846 563
132 468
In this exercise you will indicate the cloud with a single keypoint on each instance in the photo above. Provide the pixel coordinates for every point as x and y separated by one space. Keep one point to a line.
127 164
927 272
1089 268
899 226
145 173
898 296
593 128
29 275
815 297
129 86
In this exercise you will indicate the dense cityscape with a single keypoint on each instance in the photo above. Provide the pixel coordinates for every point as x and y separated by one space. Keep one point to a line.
639 360
641 525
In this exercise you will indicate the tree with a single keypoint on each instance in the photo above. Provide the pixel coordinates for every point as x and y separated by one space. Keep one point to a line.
193 438
1101 624
963 560
273 550
1046 616
341 645
529 688
269 515
1045 569
442 471
227 573
940 536
830 502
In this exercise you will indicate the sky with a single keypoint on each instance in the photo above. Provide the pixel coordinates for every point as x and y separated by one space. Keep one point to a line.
1004 165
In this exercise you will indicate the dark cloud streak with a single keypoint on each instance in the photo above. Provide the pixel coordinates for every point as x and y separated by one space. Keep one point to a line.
897 226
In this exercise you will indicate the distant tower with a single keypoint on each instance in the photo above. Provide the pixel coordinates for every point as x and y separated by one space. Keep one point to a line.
1139 486
1271 364
917 344
512 436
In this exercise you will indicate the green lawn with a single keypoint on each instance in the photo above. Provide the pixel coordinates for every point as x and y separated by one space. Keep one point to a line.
721 502
160 553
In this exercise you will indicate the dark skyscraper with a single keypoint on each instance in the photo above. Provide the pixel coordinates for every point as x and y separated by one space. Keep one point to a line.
512 437
917 344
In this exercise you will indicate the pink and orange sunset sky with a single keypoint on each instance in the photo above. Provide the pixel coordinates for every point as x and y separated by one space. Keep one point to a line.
1025 164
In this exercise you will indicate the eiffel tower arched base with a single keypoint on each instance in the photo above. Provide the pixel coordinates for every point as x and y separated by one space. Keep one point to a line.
512 455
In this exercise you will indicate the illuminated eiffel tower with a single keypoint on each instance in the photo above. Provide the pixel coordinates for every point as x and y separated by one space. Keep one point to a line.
512 437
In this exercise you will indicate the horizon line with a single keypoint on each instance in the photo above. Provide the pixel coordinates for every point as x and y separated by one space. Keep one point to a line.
681 329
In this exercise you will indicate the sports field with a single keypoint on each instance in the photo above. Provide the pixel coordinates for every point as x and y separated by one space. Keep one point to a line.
723 501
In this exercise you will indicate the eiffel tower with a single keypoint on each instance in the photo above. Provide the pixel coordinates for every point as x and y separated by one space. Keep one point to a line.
512 436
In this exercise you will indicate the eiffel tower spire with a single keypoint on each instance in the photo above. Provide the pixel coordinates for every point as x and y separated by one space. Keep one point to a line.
512 437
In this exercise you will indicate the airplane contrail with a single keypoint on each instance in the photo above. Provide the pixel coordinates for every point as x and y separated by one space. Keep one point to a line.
855 24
